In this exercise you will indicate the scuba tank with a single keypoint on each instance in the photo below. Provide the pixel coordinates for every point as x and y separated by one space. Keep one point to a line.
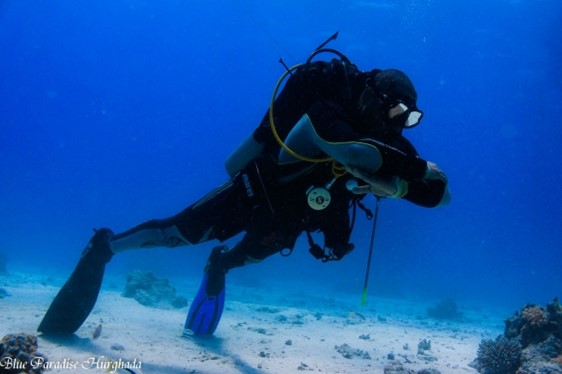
247 151
250 148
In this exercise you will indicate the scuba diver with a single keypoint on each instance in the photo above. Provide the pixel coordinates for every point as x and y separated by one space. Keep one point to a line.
332 135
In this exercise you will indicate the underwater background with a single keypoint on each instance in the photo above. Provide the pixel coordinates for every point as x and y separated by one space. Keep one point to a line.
115 112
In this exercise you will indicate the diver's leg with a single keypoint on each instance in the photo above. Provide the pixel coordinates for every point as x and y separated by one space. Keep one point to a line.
221 214
254 247
218 215
77 297
206 309
150 234
263 239
207 306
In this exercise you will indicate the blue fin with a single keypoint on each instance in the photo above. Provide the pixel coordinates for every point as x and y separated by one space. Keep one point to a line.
205 311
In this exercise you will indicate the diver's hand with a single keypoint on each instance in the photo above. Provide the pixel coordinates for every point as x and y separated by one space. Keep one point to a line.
434 173
382 187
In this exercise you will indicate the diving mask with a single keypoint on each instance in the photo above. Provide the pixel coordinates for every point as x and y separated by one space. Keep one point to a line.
380 107
400 114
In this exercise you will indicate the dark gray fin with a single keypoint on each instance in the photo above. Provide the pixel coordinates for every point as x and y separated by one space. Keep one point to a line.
77 297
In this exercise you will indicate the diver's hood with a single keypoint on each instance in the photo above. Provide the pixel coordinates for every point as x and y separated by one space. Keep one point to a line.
395 84
387 89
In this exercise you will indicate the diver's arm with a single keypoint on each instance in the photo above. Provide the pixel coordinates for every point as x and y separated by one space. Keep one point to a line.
379 186
346 147
332 132
430 191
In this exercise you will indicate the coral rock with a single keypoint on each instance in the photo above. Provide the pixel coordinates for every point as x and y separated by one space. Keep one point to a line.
150 290
446 309
18 354
500 356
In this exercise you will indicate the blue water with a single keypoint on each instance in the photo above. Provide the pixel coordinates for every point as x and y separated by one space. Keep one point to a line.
115 112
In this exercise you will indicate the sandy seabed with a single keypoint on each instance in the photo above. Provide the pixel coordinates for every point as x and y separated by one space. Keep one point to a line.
262 331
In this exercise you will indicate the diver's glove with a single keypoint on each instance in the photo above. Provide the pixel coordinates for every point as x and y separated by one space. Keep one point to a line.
434 173
394 187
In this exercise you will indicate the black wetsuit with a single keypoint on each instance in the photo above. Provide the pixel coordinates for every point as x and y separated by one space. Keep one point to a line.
271 194
268 201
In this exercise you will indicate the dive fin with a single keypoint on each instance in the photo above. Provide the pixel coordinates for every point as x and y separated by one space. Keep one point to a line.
77 297
206 310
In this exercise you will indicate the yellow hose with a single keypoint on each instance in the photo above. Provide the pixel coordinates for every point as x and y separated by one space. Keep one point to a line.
274 129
